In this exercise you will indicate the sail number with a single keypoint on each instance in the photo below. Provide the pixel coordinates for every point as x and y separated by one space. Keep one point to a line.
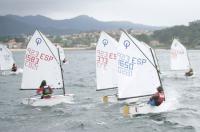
33 57
104 57
174 53
127 63
46 57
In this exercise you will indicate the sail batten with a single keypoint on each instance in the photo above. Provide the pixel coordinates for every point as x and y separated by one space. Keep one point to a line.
41 63
137 74
106 69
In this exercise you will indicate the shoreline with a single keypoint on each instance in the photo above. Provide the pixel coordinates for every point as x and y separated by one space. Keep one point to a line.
89 48
72 48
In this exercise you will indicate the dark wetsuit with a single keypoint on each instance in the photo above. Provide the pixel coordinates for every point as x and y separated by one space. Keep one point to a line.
190 73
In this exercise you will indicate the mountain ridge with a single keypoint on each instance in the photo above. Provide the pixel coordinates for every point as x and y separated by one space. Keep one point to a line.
18 25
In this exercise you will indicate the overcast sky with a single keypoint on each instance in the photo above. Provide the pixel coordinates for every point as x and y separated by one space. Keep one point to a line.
149 12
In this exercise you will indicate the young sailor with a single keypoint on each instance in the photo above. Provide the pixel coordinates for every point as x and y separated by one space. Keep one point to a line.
14 67
45 90
157 98
189 73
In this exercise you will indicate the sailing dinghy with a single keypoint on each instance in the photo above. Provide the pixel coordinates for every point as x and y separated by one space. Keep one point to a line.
179 60
42 62
138 76
6 61
106 65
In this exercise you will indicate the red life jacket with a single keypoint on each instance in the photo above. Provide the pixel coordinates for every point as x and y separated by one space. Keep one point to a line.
161 98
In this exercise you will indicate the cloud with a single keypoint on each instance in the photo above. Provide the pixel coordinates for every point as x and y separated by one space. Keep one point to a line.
151 12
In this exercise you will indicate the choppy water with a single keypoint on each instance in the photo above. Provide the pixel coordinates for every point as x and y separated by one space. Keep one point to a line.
88 113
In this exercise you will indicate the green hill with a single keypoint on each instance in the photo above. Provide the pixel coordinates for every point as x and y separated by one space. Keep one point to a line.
187 35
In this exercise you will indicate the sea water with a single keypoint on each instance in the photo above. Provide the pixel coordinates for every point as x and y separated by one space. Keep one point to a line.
88 113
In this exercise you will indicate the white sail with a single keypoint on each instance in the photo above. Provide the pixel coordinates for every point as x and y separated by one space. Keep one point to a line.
41 63
6 58
136 75
179 57
106 70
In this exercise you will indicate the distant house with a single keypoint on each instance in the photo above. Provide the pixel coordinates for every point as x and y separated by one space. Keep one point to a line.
154 43
11 43
93 45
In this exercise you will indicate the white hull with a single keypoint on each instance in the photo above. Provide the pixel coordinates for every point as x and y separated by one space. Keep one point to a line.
19 71
144 108
54 100
176 75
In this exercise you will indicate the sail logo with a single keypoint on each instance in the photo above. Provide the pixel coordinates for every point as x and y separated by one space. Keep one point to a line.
38 41
105 42
126 44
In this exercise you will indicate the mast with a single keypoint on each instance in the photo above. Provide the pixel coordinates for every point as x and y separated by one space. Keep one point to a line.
156 67
61 69
188 59
157 70
157 64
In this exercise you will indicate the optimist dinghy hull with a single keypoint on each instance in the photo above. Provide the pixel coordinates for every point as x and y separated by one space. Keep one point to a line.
54 100
143 108
7 72
17 72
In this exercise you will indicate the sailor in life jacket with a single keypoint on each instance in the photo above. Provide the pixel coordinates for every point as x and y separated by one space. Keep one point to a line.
14 67
45 90
157 98
189 73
